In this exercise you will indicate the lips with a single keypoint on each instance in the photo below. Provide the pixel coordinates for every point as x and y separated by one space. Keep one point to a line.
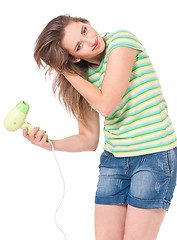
96 45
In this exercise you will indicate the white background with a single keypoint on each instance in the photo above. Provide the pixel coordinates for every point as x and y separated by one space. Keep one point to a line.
30 185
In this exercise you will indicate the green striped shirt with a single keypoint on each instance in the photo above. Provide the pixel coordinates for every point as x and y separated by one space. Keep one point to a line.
140 123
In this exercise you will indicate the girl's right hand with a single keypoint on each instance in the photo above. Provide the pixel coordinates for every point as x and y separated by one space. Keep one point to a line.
37 137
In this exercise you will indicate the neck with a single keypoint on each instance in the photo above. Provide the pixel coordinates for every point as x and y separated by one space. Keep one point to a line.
97 60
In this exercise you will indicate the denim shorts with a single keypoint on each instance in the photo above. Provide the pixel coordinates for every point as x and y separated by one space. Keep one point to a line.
146 181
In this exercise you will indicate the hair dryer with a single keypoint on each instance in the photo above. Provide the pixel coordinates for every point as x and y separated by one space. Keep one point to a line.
15 119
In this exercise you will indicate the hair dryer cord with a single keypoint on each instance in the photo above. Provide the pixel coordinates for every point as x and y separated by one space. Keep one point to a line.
63 187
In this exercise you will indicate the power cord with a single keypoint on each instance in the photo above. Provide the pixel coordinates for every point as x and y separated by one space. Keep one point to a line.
63 187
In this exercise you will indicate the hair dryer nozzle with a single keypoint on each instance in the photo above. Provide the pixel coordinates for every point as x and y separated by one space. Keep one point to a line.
16 117
23 107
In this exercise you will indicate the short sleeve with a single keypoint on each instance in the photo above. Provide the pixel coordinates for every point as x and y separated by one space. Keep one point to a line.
125 39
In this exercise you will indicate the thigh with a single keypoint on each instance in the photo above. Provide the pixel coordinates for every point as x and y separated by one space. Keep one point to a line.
110 221
143 223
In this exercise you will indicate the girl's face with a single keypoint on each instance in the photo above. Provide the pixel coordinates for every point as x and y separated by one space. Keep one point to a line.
83 42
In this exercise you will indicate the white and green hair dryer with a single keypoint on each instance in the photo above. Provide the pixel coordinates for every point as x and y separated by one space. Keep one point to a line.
15 119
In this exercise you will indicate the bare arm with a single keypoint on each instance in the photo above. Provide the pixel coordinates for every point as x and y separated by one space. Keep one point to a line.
115 81
86 140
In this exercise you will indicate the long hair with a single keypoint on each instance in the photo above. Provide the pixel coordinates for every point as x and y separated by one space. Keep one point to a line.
50 55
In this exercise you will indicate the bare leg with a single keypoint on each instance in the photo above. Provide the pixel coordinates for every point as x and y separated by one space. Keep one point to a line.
110 221
143 223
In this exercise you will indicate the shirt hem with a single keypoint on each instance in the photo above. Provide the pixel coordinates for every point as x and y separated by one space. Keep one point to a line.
143 152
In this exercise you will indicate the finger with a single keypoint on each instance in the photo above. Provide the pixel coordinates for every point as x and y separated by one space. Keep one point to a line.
31 135
25 132
44 139
45 144
40 134
34 131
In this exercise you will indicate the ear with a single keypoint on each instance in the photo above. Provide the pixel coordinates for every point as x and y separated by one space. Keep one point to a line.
75 60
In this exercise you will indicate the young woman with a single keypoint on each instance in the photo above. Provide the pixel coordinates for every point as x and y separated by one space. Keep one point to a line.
113 75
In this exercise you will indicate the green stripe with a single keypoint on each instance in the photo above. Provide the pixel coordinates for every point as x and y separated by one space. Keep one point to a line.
145 128
146 116
138 141
129 115
146 150
141 120
139 101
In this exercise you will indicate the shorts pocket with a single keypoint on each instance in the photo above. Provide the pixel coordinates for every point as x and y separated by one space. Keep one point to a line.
106 153
169 157
105 157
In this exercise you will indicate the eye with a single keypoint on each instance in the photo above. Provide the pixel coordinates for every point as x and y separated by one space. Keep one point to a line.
85 30
79 47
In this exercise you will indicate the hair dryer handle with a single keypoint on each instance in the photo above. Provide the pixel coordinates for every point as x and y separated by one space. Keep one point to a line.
30 128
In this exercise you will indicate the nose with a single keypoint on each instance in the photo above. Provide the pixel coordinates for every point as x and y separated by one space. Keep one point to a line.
90 41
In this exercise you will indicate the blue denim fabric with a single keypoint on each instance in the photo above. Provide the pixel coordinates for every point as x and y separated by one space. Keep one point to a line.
146 181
